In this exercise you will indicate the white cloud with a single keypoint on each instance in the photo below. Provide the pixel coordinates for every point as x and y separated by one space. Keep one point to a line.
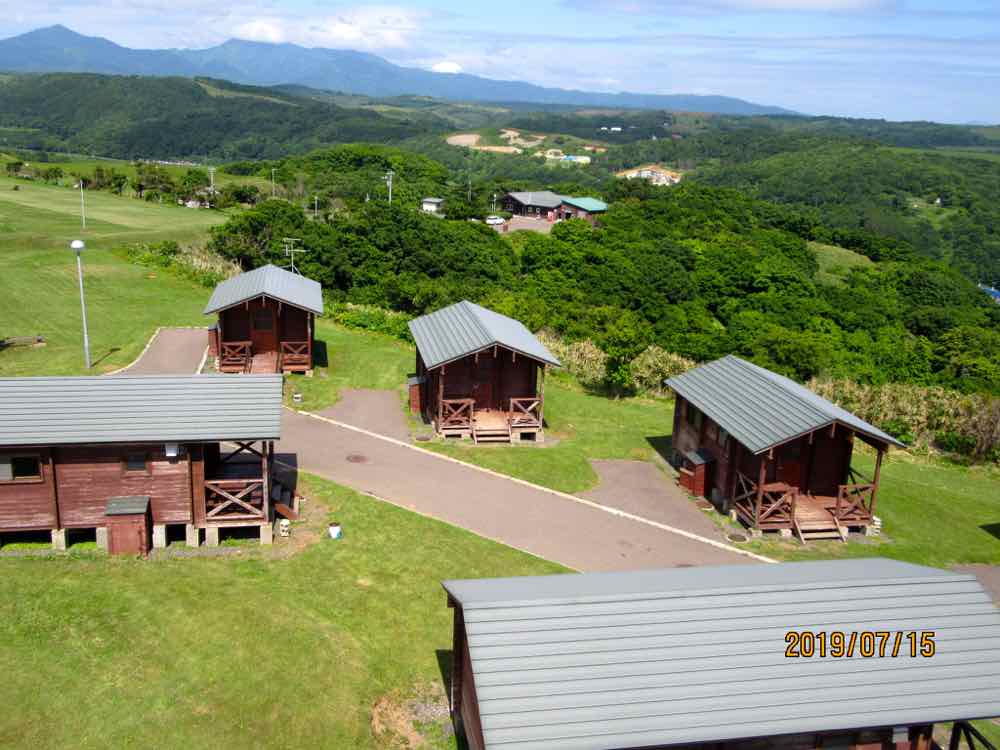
446 66
367 27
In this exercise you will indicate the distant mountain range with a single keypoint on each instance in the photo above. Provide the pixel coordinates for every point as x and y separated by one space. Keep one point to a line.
58 49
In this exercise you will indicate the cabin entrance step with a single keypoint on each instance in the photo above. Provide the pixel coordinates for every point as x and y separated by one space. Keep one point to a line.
491 435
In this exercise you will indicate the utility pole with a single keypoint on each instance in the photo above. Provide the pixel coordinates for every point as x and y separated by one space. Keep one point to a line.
388 180
470 189
83 213
315 207
290 250
274 193
211 180
77 246
493 204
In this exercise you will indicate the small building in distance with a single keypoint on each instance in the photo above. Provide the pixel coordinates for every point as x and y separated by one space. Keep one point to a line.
265 321
479 375
731 657
772 451
589 209
431 205
73 448
537 203
652 173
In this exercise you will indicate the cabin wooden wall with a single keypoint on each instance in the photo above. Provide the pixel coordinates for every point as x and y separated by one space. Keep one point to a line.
86 476
709 438
292 325
29 505
491 380
234 324
292 322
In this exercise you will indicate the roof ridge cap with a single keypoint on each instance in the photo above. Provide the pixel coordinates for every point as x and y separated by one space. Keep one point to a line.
483 326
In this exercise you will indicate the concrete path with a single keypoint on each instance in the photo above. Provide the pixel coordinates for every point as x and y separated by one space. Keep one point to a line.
561 529
172 351
377 411
640 488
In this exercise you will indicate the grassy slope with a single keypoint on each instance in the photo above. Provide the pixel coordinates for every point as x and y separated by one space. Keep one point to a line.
247 652
835 262
125 303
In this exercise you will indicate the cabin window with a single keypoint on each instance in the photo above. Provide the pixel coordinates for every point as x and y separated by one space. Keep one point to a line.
262 319
20 469
135 462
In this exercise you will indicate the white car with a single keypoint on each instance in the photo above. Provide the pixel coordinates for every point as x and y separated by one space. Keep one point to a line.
494 221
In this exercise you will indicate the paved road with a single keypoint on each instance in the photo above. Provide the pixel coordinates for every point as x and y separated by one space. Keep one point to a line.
174 351
553 527
378 411
988 575
640 488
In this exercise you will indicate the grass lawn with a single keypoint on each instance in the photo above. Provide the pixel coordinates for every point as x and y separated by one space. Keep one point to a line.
125 302
247 652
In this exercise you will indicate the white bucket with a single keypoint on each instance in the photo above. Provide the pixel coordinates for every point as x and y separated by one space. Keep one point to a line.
335 531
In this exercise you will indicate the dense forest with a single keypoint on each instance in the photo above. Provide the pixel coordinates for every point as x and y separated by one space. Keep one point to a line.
146 118
698 270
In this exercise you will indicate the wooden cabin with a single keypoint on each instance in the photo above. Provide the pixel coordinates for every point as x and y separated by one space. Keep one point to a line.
199 448
536 203
773 452
588 209
696 658
266 321
480 375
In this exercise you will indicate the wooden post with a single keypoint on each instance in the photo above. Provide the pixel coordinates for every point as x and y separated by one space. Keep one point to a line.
266 476
541 397
875 478
761 476
440 404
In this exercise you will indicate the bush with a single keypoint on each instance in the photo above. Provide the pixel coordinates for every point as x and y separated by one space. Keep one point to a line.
370 318
653 366
953 421
581 359
196 263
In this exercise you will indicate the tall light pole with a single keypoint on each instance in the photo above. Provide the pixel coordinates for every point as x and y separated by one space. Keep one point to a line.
388 180
274 193
77 246
83 210
315 207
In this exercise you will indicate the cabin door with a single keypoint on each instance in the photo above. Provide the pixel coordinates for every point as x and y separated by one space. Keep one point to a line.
789 465
483 389
263 329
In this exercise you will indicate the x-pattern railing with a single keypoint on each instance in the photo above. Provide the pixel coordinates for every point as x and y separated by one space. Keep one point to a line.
457 412
236 354
233 494
525 412
295 352
853 500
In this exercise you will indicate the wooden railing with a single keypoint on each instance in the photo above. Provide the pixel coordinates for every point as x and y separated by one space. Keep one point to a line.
457 413
768 506
854 503
974 739
235 356
525 412
234 500
295 354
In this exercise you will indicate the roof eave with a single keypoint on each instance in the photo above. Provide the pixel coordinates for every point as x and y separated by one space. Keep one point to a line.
213 310
550 363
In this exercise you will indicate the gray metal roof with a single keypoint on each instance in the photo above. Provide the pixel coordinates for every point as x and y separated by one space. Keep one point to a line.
139 409
598 661
760 408
541 198
464 328
271 281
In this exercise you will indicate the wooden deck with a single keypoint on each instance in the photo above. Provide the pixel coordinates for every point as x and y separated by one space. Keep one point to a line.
461 419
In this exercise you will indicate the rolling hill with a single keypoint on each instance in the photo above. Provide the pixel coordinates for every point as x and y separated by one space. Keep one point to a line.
58 49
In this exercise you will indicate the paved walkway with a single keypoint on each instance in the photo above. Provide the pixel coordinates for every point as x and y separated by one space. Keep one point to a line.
564 530
173 351
988 575
377 411
640 488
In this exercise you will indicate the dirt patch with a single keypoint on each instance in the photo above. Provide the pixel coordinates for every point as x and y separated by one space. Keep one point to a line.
464 139
400 721
513 137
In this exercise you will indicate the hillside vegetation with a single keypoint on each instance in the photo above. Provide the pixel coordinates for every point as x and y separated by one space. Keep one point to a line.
132 117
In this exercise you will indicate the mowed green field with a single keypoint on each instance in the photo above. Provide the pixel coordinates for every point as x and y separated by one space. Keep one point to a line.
244 651
125 303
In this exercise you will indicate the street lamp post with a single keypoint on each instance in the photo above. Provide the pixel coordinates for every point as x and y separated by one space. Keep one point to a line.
77 246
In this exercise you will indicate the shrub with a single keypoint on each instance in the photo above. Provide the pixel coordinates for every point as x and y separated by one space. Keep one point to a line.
370 318
582 359
196 263
654 365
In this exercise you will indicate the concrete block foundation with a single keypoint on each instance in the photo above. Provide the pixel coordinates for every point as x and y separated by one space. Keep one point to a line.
191 536
266 534
159 536
102 538
59 540
211 536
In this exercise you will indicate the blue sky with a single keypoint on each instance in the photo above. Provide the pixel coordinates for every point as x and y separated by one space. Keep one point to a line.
897 59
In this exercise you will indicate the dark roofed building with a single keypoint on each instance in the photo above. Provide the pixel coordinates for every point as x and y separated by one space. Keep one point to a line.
773 451
266 321
696 657
532 203
479 374
69 445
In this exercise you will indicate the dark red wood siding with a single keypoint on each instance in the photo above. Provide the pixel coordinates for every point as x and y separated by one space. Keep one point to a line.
28 504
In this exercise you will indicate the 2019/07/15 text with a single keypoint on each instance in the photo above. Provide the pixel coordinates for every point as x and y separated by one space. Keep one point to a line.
866 643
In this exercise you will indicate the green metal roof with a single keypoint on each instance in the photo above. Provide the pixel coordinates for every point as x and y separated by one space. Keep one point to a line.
590 205
651 658
465 328
268 281
760 408
127 506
